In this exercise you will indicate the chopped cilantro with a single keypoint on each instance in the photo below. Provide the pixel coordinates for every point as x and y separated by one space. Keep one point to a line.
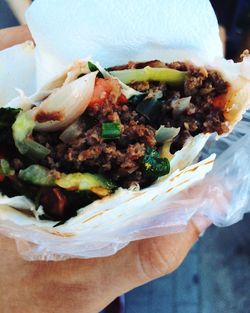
153 165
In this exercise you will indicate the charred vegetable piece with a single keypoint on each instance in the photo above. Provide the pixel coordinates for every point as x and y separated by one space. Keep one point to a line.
170 76
60 205
149 107
7 118
134 100
12 186
155 166
54 203
37 175
111 130
86 181
22 130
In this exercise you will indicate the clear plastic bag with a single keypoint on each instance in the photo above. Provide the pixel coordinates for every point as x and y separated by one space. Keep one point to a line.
228 185
223 197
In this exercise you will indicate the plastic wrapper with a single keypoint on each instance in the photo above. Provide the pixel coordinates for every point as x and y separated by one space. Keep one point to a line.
222 197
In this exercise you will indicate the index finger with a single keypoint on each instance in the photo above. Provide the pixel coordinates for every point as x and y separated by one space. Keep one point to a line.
14 35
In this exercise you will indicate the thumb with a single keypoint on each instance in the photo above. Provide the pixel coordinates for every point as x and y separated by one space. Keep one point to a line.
145 260
13 36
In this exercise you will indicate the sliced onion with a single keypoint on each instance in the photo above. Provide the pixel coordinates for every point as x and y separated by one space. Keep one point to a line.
166 133
181 104
71 132
65 104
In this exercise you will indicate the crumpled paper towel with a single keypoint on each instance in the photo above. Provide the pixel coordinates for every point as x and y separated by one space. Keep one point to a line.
113 32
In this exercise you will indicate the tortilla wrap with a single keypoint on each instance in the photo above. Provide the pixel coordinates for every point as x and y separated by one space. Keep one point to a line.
97 229
238 98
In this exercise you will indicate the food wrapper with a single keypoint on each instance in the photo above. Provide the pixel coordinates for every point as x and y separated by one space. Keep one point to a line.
113 32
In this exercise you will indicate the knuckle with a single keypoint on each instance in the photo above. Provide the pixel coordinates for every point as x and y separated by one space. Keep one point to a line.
157 262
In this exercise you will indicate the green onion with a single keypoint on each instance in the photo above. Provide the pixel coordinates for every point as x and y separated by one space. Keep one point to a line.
168 75
5 168
111 130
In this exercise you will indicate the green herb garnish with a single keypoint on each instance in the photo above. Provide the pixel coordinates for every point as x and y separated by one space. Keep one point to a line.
111 130
153 165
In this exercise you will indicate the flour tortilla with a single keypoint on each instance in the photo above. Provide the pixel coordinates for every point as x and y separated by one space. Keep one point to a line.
131 202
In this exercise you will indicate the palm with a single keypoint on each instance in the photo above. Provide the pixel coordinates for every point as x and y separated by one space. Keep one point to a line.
93 282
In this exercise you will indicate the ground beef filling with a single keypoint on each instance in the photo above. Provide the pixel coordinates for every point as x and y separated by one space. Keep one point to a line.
120 159
201 115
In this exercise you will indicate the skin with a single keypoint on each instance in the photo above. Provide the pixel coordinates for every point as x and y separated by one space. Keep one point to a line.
88 286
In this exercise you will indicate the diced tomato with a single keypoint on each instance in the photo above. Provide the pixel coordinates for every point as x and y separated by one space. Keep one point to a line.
220 101
122 99
105 88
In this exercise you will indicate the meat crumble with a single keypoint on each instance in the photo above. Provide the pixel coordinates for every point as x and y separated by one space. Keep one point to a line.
117 159
201 115
120 159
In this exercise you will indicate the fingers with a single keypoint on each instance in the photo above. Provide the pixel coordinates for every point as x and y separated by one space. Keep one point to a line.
162 255
14 35
92 283
145 260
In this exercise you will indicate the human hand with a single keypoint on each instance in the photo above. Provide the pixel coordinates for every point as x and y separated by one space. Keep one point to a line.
13 36
76 286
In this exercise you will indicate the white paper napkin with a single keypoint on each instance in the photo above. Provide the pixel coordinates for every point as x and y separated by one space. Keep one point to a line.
113 32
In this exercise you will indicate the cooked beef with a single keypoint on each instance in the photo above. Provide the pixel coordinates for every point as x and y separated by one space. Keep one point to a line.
133 65
180 66
201 116
179 141
117 159
120 159
204 82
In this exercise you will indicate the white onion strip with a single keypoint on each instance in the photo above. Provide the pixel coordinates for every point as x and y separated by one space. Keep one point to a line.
66 103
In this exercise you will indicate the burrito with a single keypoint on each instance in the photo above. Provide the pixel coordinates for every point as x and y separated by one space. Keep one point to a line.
92 132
